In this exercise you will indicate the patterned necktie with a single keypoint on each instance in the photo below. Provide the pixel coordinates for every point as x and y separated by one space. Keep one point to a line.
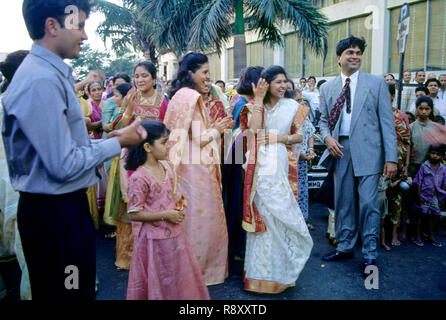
337 108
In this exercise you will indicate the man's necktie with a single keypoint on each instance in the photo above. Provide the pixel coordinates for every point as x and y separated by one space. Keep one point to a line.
337 108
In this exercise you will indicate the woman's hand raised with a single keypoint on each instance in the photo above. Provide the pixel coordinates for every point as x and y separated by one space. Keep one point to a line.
260 90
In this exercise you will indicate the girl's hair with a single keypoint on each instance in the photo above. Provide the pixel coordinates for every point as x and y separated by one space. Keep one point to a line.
248 76
121 75
411 116
10 66
439 119
123 88
149 66
92 83
429 102
190 62
137 156
440 149
269 74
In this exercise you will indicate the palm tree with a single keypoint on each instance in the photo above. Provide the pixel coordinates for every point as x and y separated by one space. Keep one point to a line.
203 24
125 27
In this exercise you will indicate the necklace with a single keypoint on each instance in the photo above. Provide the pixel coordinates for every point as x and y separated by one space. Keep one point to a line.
149 100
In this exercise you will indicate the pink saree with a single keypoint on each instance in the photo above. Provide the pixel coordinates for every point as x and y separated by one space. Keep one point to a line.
198 178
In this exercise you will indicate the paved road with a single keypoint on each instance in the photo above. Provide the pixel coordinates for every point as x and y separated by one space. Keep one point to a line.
406 272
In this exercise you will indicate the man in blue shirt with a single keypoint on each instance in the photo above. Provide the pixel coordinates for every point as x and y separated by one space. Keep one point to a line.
51 159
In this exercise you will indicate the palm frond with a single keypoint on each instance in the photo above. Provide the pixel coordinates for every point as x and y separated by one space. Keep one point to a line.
210 28
173 21
308 22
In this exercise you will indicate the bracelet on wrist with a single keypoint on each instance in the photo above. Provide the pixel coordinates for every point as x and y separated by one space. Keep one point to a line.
126 116
258 107
288 139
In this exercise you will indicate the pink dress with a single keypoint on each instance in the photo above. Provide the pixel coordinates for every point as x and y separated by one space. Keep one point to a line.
164 266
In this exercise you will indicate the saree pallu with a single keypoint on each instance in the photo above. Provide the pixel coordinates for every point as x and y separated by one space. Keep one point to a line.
199 180
252 221
276 254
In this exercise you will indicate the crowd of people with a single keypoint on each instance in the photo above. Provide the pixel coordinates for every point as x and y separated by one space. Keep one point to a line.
185 179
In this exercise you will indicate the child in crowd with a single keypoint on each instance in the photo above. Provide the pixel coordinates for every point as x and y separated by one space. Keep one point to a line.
420 147
383 185
411 117
431 184
439 119
163 264
418 151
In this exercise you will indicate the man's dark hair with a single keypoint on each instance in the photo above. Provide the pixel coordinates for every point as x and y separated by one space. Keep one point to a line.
10 66
416 73
432 80
35 13
303 78
312 77
350 42
389 74
220 81
424 89
320 82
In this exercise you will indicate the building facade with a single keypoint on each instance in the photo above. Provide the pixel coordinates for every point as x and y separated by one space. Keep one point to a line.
375 20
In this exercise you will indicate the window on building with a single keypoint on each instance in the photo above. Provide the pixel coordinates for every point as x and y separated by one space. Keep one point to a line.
259 54
362 27
437 36
327 3
214 66
313 63
293 55
416 41
254 54
230 63
336 32
268 55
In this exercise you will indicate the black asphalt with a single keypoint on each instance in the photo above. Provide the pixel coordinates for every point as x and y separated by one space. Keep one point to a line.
406 272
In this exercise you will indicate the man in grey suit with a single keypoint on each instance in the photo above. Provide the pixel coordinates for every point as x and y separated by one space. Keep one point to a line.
358 129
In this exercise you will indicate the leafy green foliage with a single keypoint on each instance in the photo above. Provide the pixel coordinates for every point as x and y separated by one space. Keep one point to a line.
92 59
126 27
204 24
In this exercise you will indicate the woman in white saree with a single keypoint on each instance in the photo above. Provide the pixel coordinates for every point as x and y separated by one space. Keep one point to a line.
278 241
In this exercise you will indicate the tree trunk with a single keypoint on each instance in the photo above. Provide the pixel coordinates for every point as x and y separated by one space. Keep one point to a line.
239 40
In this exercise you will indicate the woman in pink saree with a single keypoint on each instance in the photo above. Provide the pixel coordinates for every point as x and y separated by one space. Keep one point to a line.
195 154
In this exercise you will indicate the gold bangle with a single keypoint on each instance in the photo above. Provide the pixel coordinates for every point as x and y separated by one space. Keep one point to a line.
126 116
258 108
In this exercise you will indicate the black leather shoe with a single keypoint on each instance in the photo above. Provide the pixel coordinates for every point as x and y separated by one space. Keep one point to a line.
367 262
337 256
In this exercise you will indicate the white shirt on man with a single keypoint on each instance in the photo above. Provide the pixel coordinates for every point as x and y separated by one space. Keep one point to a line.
346 118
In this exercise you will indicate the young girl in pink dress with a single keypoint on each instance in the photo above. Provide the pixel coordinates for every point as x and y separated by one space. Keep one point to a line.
163 266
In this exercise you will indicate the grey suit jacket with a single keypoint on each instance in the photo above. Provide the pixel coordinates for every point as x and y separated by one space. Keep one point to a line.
372 131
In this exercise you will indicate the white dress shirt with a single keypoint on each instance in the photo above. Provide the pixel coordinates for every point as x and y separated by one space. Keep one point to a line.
346 118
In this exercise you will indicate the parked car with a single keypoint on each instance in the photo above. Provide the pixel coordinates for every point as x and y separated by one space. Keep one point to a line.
316 173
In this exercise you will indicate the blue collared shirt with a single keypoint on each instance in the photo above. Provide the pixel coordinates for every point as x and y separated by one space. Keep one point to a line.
46 141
